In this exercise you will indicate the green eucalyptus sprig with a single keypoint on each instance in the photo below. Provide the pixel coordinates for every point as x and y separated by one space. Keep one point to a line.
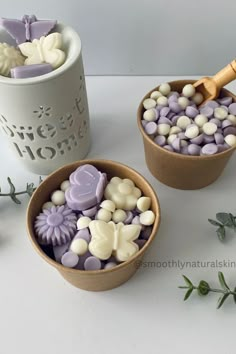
224 220
204 288
30 188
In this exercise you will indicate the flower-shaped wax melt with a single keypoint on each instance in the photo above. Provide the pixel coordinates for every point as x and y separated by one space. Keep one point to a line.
56 226
86 189
123 193
9 58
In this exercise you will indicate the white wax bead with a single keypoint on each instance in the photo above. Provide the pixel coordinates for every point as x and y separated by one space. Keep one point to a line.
79 246
65 185
163 129
192 131
197 98
147 218
165 89
188 90
149 103
183 102
200 120
162 101
103 215
220 113
183 122
175 130
47 205
108 205
119 215
155 95
58 197
171 138
150 115
144 203
83 222
232 119
209 128
230 139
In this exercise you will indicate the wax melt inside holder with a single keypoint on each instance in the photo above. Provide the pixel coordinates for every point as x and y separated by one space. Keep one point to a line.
45 119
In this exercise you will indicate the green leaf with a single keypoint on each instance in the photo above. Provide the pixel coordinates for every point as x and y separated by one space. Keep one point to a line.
225 219
12 187
221 233
234 296
221 300
215 223
188 293
15 200
30 189
222 281
203 288
233 219
187 281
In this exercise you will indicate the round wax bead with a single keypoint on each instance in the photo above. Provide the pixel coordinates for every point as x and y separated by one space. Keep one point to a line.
232 119
83 222
70 259
197 98
215 121
151 128
171 138
90 212
108 205
226 101
143 203
58 197
162 101
155 95
170 115
119 215
175 130
220 113
184 150
176 144
183 122
226 123
230 131
188 90
168 147
129 217
144 123
47 205
164 111
191 112
147 218
198 140
136 220
182 135
230 140
219 138
165 89
83 234
207 111
183 102
92 263
65 185
194 149
209 149
209 128
200 120
192 131
172 98
149 103
175 107
103 215
232 108
208 139
150 115
163 129
222 147
110 265
79 246
160 140
164 120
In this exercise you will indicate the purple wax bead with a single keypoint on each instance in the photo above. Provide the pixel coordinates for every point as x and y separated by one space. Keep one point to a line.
144 122
229 130
160 140
92 263
140 243
191 112
157 114
90 212
170 115
232 108
110 265
222 147
58 251
194 149
219 130
226 101
209 149
172 98
165 121
198 140
146 232
212 104
69 259
184 150
168 147
219 138
182 136
226 123
225 108
164 111
215 121
136 220
82 259
129 217
176 144
174 119
27 71
208 139
84 234
175 107
173 93
207 111
151 128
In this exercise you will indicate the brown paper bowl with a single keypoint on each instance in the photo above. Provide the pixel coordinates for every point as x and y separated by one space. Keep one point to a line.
182 171
101 279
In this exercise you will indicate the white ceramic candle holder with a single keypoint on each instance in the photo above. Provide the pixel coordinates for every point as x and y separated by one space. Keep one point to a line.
46 118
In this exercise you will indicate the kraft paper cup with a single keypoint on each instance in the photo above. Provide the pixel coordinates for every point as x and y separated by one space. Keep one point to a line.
100 279
177 170
45 119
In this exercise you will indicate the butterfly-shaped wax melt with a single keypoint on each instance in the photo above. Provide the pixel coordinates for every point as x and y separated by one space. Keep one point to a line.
44 50
28 28
110 238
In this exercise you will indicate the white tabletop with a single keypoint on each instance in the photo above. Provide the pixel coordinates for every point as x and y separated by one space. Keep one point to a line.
42 313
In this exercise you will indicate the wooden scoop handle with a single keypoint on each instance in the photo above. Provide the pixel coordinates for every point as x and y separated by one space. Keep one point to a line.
226 75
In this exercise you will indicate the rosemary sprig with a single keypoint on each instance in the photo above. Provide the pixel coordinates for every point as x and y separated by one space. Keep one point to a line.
204 288
224 220
30 188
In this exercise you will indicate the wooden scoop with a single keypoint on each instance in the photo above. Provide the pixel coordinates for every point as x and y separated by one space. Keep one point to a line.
210 86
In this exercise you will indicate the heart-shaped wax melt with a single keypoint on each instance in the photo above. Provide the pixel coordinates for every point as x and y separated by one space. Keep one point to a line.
87 188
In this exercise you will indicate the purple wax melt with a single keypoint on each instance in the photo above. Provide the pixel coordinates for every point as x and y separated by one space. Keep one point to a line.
27 71
209 149
92 263
70 259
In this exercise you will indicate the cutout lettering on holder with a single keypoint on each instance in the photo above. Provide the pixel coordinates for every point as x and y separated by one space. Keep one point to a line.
43 112
46 131
66 121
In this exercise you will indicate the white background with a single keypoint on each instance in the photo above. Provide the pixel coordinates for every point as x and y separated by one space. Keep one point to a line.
144 37
41 313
